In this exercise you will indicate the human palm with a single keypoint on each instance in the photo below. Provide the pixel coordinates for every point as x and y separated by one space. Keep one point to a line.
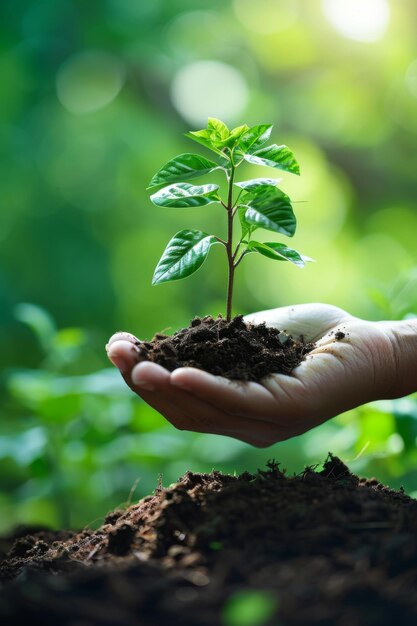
353 363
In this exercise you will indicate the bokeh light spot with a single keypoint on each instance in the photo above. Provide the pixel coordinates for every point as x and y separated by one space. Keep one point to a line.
89 81
266 16
411 78
209 89
362 20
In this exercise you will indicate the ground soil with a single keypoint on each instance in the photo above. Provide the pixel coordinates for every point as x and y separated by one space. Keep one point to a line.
234 349
326 547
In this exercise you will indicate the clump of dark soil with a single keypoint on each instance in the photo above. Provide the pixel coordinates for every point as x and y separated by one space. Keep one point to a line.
328 548
234 349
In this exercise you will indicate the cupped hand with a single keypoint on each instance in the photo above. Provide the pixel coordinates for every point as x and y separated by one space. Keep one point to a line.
354 362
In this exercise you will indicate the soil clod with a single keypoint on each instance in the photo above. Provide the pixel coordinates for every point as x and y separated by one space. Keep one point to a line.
235 349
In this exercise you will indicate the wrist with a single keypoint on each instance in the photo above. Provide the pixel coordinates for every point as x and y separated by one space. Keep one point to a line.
403 340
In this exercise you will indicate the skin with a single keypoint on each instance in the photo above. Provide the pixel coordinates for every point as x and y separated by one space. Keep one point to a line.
374 360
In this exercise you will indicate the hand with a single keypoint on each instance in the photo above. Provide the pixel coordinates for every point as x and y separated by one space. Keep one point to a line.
368 363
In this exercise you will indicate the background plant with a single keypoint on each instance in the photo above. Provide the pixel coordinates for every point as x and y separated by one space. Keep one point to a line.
259 202
98 96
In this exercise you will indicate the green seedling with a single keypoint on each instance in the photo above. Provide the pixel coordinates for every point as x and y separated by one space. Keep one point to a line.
257 203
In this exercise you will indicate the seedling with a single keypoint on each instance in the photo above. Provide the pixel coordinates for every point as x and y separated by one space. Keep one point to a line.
258 203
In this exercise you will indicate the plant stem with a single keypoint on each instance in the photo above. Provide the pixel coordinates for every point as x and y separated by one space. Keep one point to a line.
230 258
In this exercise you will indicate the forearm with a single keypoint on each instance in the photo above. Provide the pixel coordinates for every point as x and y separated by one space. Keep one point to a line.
403 336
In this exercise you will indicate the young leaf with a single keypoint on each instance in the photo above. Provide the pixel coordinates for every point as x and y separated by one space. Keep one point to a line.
248 185
204 138
220 129
270 208
214 137
184 195
235 135
254 138
183 167
275 156
184 254
279 252
237 132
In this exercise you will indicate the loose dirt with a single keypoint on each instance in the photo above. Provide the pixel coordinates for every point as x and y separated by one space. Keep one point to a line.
322 548
234 349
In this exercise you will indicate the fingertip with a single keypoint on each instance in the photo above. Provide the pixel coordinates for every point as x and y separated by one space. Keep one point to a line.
148 375
183 377
123 354
122 336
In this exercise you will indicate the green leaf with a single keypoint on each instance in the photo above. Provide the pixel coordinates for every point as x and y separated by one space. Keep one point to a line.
184 254
270 208
39 321
279 252
275 156
183 167
215 136
184 195
244 225
254 138
248 185
203 137
237 132
220 129
235 135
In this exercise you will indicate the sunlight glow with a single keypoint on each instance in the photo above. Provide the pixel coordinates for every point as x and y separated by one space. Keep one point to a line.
209 89
362 20
266 16
411 78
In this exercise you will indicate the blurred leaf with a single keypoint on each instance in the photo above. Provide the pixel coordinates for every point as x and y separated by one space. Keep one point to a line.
24 447
375 429
66 347
183 167
39 321
275 156
33 387
184 195
249 608
184 254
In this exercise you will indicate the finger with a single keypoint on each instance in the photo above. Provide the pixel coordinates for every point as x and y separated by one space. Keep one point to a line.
247 399
124 355
122 336
187 412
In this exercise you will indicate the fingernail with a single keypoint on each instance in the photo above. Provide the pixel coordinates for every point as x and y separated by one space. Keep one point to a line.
180 384
143 384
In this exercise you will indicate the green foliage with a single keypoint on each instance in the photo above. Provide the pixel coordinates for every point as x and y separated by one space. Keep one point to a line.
259 203
184 195
249 608
65 248
184 254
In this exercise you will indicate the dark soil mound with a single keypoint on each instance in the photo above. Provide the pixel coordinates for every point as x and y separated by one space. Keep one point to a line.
233 349
321 548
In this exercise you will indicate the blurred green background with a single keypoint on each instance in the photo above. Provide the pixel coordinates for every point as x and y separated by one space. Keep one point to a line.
96 96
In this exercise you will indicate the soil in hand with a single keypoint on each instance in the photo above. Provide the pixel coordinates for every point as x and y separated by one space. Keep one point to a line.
321 548
234 349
